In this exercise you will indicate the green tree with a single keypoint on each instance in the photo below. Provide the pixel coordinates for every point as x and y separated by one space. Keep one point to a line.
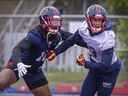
120 7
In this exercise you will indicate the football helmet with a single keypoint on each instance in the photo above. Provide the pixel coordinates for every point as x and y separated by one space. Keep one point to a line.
50 17
96 18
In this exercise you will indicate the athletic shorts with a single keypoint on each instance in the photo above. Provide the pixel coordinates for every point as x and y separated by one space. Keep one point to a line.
34 78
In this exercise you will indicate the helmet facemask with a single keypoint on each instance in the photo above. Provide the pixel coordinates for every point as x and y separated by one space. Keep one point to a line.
52 23
96 23
96 18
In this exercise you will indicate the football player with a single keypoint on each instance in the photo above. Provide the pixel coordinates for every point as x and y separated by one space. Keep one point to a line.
98 37
30 54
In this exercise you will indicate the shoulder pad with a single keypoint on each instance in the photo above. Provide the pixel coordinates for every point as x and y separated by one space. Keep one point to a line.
108 25
83 29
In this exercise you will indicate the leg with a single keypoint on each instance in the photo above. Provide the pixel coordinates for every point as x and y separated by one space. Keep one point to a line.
89 85
108 83
37 83
7 77
42 91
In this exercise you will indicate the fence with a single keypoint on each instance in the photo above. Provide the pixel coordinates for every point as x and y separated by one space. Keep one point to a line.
13 31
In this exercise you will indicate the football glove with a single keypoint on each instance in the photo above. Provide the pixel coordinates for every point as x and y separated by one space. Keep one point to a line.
22 69
80 60
51 55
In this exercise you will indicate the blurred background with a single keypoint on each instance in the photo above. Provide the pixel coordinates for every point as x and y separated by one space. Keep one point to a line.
17 17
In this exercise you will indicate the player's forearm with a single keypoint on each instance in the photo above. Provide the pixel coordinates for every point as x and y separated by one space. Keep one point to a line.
65 35
65 45
79 41
92 65
105 64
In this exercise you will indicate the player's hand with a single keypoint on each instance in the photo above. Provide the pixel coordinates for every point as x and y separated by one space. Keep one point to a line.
22 69
51 55
80 60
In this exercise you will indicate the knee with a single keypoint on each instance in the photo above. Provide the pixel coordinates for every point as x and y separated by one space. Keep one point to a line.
7 77
3 84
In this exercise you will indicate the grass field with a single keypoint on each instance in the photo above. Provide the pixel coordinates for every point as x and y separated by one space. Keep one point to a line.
55 77
61 76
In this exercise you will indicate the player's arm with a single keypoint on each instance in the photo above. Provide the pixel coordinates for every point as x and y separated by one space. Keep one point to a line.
103 65
26 61
65 34
61 47
16 58
70 41
77 38
25 48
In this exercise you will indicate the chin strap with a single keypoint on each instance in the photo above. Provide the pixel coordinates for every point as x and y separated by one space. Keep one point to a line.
47 36
58 35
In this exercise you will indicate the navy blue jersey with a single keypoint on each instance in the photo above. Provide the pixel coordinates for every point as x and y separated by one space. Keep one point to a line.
101 48
33 48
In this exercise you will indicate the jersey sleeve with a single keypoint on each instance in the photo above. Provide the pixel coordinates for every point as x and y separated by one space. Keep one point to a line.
65 45
70 41
25 48
65 34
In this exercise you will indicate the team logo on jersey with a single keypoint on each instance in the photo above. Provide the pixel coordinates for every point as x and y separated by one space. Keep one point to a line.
107 85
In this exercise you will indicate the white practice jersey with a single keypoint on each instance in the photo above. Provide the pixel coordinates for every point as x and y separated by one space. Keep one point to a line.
98 43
